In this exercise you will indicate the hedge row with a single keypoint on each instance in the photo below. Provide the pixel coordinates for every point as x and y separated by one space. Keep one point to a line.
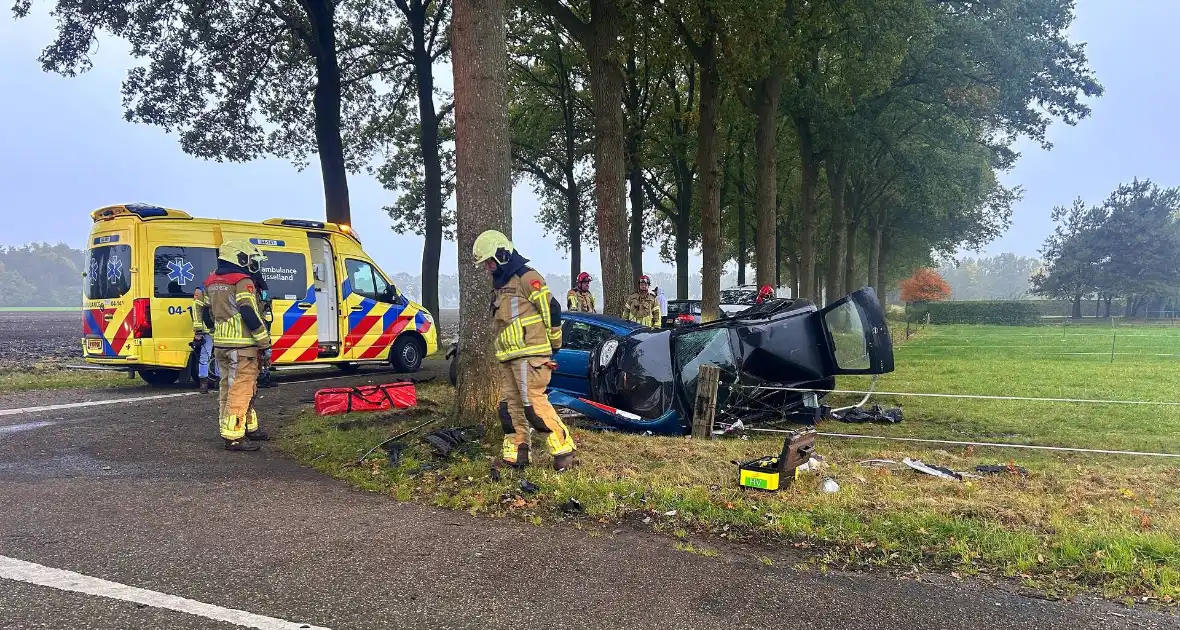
1006 313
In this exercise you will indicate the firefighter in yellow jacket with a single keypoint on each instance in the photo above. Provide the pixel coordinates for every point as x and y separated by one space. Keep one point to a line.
580 299
207 372
527 325
642 307
241 341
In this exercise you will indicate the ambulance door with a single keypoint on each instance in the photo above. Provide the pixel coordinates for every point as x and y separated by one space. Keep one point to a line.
293 309
374 310
326 294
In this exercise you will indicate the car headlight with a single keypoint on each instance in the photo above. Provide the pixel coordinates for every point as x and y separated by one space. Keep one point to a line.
608 352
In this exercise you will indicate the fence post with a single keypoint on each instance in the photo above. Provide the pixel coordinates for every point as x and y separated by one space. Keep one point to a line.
705 409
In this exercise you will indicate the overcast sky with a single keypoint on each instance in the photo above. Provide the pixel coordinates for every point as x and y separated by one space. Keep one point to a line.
65 149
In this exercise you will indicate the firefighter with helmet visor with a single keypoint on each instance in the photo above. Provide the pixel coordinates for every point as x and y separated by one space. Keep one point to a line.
580 299
241 340
527 326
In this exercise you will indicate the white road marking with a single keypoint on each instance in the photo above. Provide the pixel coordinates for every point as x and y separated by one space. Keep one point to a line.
32 573
24 426
91 403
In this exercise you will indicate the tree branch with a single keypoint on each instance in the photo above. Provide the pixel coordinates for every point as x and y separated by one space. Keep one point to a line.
578 29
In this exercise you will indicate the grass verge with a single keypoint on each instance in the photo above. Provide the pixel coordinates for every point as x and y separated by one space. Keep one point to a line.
40 309
53 376
1074 522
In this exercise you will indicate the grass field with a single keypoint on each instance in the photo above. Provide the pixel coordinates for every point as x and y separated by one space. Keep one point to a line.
1076 521
56 376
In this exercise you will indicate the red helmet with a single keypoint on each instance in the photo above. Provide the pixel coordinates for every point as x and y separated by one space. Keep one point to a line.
765 292
644 278
584 277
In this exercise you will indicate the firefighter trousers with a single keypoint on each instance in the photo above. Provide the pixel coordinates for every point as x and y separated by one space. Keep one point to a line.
523 401
239 385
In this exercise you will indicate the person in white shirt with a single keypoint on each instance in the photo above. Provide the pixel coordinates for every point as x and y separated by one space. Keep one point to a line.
663 299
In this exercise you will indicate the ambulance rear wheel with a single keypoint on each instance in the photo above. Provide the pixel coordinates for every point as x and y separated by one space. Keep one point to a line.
159 378
406 354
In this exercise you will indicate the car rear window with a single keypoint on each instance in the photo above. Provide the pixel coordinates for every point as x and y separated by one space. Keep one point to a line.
677 308
285 274
744 297
108 272
177 271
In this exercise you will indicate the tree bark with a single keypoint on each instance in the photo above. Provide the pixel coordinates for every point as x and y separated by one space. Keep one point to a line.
635 179
741 252
837 169
326 105
768 93
778 255
431 162
606 86
850 259
483 192
710 189
882 256
1076 312
683 232
573 205
808 288
874 274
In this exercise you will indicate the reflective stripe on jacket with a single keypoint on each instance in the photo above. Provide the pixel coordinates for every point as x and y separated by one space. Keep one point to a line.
527 319
235 312
642 308
578 302
200 303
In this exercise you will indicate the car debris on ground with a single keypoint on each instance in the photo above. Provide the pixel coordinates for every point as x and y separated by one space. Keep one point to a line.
874 414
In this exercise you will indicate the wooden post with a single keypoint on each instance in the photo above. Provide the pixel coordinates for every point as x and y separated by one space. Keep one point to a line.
708 378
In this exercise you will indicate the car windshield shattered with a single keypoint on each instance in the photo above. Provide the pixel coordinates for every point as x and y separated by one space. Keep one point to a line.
703 347
744 297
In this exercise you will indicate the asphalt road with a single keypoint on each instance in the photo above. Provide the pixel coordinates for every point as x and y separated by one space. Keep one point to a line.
141 494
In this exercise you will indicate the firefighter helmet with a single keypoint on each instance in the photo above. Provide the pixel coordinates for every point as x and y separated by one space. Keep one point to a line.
584 277
491 245
644 279
241 253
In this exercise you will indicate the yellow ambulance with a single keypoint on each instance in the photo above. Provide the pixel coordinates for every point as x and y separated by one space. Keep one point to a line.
330 303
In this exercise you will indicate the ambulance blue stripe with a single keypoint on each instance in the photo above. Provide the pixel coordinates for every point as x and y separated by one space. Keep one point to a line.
293 312
346 288
391 315
355 317
107 349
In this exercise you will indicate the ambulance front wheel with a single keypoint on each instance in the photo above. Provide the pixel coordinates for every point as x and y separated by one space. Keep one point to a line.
406 354
159 378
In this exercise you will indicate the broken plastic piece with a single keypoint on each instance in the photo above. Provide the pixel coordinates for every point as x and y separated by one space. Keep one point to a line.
877 463
528 487
992 469
573 506
830 486
876 413
444 441
931 469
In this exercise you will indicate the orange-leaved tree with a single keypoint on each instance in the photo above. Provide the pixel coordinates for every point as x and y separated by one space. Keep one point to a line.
925 286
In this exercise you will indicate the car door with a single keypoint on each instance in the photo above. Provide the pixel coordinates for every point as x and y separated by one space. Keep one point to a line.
578 338
857 335
373 311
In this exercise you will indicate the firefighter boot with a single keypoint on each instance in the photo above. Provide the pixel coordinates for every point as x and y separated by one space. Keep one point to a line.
253 433
513 455
240 445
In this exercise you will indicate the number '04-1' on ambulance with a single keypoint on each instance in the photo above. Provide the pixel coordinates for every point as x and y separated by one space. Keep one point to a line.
330 303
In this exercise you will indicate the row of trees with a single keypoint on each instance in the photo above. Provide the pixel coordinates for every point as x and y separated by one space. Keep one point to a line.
832 143
1126 247
1001 277
40 274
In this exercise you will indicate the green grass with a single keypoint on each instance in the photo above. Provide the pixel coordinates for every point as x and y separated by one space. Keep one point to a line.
53 376
39 309
1077 521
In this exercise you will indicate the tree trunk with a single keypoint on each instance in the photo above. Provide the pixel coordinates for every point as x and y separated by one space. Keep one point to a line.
483 192
875 257
766 155
710 190
636 190
606 86
741 252
431 162
837 171
326 104
778 255
634 118
882 256
682 234
808 288
1076 312
573 205
850 259
1108 306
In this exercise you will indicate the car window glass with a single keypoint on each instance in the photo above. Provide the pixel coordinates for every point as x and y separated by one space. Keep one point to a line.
582 336
177 271
285 274
704 347
108 273
367 281
848 334
739 296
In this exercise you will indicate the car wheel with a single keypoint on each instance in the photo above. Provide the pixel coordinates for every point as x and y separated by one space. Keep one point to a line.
348 368
406 354
159 378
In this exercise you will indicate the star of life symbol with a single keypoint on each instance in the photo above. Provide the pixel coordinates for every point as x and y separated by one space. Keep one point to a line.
114 269
94 266
180 271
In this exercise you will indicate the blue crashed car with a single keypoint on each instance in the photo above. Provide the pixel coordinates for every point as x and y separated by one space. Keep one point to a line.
633 378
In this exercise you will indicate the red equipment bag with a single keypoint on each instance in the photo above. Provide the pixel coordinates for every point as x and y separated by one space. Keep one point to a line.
336 400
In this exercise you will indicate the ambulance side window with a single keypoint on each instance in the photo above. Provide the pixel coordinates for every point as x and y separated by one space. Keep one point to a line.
177 271
285 274
367 281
